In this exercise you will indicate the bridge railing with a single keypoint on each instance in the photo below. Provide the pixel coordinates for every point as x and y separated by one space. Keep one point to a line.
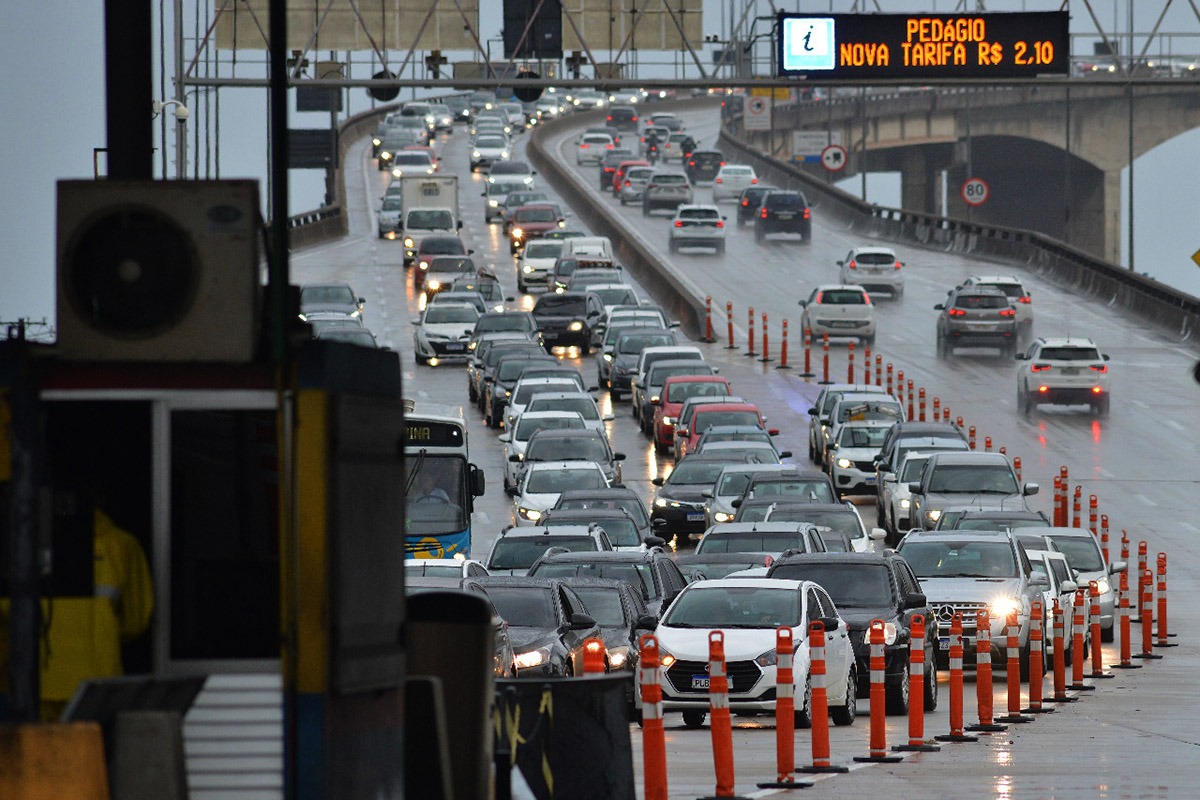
1167 308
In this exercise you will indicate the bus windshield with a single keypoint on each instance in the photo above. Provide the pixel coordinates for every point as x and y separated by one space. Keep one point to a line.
435 504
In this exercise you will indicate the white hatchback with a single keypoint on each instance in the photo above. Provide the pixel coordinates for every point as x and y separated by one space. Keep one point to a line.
536 261
544 481
697 226
593 147
874 268
839 310
731 180
1063 372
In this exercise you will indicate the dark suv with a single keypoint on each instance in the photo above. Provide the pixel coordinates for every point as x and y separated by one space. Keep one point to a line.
865 587
703 165
750 201
976 316
623 118
650 572
783 212
568 318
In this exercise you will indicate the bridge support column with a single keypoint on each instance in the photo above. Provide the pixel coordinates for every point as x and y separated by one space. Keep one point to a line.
1111 210
918 189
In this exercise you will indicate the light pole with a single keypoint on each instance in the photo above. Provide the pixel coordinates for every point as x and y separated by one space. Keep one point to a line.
181 116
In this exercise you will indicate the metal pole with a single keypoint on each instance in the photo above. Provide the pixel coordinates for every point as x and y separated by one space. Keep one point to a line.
180 125
862 161
1067 175
1131 261
278 102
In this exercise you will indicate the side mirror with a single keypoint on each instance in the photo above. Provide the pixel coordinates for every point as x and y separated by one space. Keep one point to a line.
940 307
786 454
1030 488
840 263
812 412
415 321
514 458
831 446
581 622
706 493
802 303
887 477
618 456
736 503
1038 579
460 225
915 600
1104 356
1068 586
1116 567
830 623
877 534
646 622
657 481
504 437
914 488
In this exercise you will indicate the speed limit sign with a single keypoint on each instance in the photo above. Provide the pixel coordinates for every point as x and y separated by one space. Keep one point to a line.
975 191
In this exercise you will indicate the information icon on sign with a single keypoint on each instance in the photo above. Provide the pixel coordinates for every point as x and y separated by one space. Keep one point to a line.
833 158
975 191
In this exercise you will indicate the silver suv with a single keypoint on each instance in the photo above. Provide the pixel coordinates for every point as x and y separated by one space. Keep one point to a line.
976 316
666 189
981 480
968 571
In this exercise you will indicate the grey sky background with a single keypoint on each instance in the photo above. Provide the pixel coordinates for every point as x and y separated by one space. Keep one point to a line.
52 102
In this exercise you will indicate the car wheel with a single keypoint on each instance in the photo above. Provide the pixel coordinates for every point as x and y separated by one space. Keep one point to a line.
693 719
845 715
1107 635
931 684
720 248
1101 407
803 715
420 359
897 694
672 246
812 453
869 341
614 394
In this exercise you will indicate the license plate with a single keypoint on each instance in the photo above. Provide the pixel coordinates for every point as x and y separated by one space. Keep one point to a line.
870 480
1070 370
983 326
784 216
840 323
944 643
696 516
455 348
700 682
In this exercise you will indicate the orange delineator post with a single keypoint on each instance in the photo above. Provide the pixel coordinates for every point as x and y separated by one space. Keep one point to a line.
1104 537
1012 669
654 743
867 364
729 318
1078 648
766 354
719 723
808 373
937 408
850 365
750 334
1142 554
783 347
987 444
1124 587
1125 632
878 751
785 714
921 403
970 434
956 685
1146 593
1065 519
909 392
1161 617
819 712
891 379
708 326
1060 658
825 346
916 691
1097 651
1093 514
1056 516
879 370
1036 660
983 675
1077 507
593 656
946 414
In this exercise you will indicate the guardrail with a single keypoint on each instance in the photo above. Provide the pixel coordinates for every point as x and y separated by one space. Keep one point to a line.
1171 310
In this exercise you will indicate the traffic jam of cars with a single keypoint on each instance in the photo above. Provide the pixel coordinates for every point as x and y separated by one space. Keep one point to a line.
738 537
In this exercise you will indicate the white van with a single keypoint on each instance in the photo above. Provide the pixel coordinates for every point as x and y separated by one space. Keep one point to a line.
581 246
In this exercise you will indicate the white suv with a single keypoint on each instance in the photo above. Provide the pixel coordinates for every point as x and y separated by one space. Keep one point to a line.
697 226
1064 372
1016 294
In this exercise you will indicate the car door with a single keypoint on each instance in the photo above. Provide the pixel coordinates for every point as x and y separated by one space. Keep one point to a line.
573 638
837 645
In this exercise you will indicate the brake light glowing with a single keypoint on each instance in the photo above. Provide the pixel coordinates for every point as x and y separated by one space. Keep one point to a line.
634 118
820 298
718 180
763 213
628 183
1008 312
678 223
609 117
754 180
721 164
807 213
1025 300
608 146
898 265
1043 389
583 146
866 299
721 224
955 312
1098 367
1097 389
745 203
1040 367
852 265
691 163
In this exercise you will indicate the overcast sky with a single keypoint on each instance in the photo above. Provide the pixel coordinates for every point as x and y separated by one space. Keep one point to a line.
53 118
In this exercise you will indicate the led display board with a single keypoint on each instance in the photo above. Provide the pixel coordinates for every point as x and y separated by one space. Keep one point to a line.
922 46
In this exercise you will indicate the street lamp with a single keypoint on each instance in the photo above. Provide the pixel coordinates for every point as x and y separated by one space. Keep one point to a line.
181 115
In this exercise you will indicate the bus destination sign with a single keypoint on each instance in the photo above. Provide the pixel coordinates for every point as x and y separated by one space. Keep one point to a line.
426 433
923 46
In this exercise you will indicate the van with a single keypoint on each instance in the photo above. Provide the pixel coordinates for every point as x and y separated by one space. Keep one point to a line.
595 246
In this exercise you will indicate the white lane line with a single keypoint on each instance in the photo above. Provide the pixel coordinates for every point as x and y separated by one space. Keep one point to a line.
1173 424
1145 500
1189 526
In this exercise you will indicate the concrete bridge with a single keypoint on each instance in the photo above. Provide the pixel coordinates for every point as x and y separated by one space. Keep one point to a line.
1052 155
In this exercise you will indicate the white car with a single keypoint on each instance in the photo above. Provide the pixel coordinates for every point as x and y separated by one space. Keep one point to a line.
413 162
841 311
442 332
896 496
525 388
544 481
747 612
1017 294
634 184
389 217
574 400
516 439
593 147
1063 372
874 268
615 294
535 263
488 149
851 456
731 180
444 568
855 408
697 226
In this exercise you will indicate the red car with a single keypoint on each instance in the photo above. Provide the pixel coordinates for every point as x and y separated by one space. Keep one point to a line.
740 413
531 222
675 390
622 168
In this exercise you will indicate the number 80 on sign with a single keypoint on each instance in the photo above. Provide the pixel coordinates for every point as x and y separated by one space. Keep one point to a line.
975 191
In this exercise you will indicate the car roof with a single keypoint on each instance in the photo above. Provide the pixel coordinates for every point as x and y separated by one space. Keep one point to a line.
1079 533
767 526
601 555
830 557
750 583
968 457
965 535
874 249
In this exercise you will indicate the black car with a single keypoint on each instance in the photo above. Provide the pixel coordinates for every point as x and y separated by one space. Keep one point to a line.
623 530
624 118
485 370
703 165
608 165
869 586
783 212
621 613
749 202
498 386
678 508
791 485
962 519
568 318
612 497
547 623
650 572
717 565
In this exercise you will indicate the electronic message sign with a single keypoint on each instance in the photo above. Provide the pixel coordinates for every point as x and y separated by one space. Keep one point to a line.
923 46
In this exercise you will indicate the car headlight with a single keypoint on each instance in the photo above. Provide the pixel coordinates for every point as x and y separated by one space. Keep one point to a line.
384 154
423 265
533 658
933 514
1103 586
722 516
654 399
531 514
768 659
665 659
504 154
529 181
434 284
575 326
494 203
889 633
474 154
526 268
472 345
844 463
410 242
618 657
517 233
356 313
1002 606
660 502
668 421
608 357
905 503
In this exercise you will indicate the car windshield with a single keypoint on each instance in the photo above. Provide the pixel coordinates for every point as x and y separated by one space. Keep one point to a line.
706 214
678 392
636 575
412 159
671 180
842 297
451 264
996 523
604 605
1082 553
521 395
440 313
816 491
630 504
1069 354
777 200
552 481
582 448
978 478
585 405
543 250
559 305
632 343
840 521
732 484
737 172
521 607
490 141
886 259
519 552
535 215
503 322
695 473
735 607
358 336
327 295
618 296
702 419
862 437
947 558
639 174
440 245
979 301
414 566
911 471
392 204
528 426
850 585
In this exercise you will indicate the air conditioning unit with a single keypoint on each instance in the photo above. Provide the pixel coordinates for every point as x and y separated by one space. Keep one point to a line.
159 270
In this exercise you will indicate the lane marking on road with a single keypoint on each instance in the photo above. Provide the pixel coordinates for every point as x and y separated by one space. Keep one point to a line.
1145 500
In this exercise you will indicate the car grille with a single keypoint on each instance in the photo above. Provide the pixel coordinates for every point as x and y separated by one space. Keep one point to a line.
742 676
944 612
864 466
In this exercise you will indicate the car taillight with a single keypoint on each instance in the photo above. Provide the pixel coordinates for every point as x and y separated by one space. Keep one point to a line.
852 265
721 224
678 223
721 164
807 213
1043 389
956 312
583 147
1040 367
1027 299
1098 367
1097 389
898 265
609 146
754 180
691 163
866 299
609 118
745 203
1008 312
820 297
763 213
628 183
718 180
634 118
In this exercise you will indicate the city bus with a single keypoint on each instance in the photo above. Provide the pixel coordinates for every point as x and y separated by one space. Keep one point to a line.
440 482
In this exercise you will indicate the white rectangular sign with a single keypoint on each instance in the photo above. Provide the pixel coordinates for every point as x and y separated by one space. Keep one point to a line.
811 143
756 115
